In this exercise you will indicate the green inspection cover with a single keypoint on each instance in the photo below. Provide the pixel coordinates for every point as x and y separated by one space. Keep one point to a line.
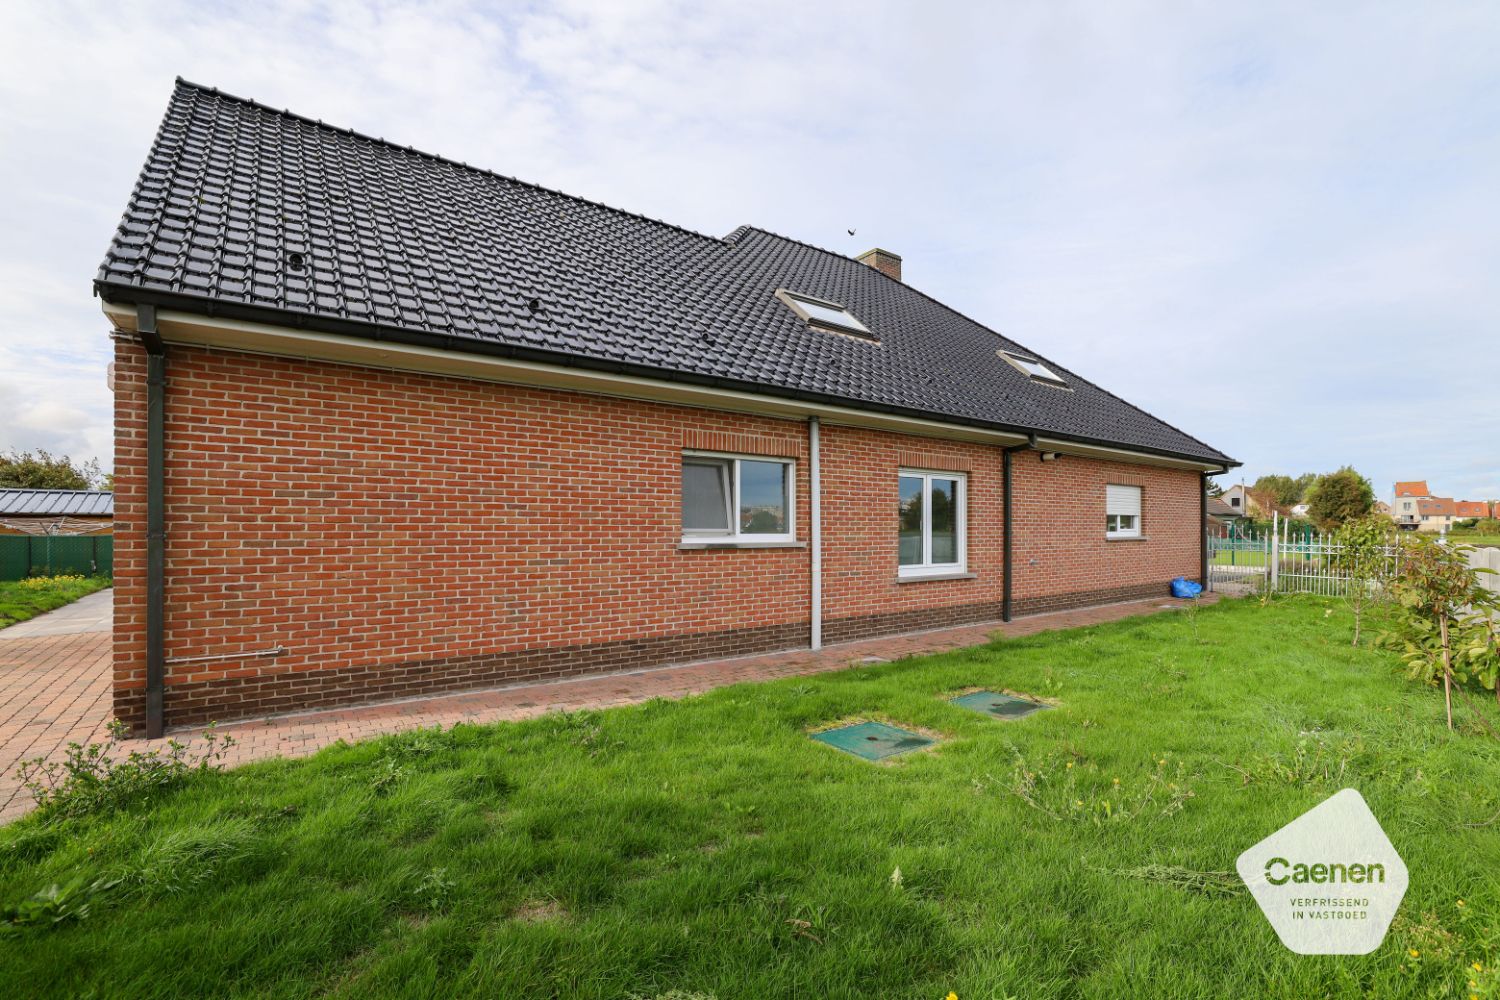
1000 706
872 740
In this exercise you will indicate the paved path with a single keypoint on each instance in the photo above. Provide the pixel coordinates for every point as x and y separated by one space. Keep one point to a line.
55 689
94 613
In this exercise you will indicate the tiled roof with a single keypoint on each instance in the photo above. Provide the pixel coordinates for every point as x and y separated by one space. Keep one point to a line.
1417 488
1471 508
258 214
1435 505
56 503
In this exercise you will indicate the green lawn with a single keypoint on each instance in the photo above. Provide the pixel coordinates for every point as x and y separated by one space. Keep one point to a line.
23 599
1480 540
709 847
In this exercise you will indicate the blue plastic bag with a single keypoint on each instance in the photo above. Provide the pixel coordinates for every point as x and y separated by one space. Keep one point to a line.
1183 587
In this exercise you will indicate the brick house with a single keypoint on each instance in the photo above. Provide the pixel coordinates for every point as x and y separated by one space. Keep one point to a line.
389 425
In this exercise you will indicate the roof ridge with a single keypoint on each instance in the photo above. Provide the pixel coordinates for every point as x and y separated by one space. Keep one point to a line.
983 326
45 489
436 158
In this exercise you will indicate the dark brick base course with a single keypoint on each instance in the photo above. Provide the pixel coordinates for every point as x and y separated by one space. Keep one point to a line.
196 704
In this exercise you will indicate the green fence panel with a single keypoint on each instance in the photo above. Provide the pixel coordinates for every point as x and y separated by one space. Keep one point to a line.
15 556
55 555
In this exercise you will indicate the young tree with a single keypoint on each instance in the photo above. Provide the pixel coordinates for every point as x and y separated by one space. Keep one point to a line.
1339 497
1448 615
41 470
1283 491
1364 553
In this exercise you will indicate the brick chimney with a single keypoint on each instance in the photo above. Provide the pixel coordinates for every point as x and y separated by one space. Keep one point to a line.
887 263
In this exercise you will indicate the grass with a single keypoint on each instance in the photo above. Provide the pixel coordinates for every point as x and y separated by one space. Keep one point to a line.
1480 540
709 847
23 599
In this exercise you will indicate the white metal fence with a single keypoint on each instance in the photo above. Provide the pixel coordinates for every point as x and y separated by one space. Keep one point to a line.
1299 561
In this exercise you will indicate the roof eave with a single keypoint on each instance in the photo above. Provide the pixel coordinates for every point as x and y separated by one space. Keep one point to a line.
114 293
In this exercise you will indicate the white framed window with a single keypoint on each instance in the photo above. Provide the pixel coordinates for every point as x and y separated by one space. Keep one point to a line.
932 539
1122 511
738 498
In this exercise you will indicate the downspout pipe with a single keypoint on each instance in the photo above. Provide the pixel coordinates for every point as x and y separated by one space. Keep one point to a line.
1203 529
815 513
1006 547
156 519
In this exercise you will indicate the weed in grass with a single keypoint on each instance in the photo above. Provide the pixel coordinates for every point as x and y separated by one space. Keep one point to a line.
584 729
1207 883
388 774
430 890
89 779
1069 791
673 995
54 905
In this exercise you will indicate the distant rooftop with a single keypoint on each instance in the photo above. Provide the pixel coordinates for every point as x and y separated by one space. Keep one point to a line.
56 503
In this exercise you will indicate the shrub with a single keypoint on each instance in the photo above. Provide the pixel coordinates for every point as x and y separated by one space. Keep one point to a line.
89 779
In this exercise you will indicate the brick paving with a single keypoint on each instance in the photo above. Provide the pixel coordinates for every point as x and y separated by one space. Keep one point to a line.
56 689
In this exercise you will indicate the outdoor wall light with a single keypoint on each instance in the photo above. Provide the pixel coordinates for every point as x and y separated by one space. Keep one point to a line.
1049 456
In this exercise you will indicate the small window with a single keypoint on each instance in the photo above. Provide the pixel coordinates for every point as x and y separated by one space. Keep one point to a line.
824 314
1234 501
1032 367
933 523
1122 511
732 498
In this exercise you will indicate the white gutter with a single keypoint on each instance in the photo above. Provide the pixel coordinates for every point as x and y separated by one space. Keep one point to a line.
815 499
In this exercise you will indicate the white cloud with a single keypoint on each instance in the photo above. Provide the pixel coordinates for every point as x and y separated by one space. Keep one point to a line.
1272 225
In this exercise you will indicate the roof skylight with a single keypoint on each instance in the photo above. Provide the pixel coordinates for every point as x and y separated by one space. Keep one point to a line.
822 313
1032 367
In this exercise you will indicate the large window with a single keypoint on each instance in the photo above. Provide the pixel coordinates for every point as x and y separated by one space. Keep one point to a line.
736 499
1122 511
932 523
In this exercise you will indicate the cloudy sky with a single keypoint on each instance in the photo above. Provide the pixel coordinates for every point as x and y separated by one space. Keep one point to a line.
1276 226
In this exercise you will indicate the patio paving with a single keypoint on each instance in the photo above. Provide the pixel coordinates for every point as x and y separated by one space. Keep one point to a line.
55 689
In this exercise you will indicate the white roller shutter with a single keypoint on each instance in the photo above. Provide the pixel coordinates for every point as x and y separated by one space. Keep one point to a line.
1122 500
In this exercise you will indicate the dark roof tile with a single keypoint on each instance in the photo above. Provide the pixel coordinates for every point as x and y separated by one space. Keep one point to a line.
426 246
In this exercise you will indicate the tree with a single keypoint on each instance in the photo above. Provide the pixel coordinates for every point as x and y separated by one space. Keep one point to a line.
1363 554
1339 497
1448 619
43 471
1284 491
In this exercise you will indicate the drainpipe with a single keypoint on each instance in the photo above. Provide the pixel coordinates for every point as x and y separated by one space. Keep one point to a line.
1203 529
156 520
815 504
1005 465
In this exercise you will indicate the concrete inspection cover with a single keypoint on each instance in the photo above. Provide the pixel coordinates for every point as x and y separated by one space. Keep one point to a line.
999 706
873 740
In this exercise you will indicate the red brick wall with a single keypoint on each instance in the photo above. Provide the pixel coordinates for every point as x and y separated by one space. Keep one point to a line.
400 534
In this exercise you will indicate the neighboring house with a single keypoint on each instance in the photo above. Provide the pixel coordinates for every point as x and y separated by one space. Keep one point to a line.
1300 510
1471 508
1436 513
1381 507
56 512
1239 499
427 427
1221 515
1404 502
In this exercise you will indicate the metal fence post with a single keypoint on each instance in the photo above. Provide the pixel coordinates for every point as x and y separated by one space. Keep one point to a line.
1275 553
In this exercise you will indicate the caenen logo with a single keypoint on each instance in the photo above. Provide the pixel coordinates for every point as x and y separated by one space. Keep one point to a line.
1280 871
1329 881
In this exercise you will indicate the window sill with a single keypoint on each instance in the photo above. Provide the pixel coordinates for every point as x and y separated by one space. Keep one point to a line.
694 544
1126 538
931 577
